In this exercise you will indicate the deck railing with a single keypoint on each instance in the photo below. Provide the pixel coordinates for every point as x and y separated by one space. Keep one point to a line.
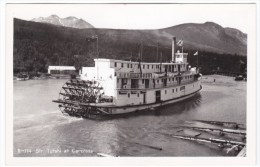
154 86
147 75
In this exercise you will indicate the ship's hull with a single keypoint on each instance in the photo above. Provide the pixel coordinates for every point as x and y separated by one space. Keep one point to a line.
128 109
94 110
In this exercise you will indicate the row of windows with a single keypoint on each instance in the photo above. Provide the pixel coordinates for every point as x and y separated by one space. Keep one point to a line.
148 66
176 90
165 92
124 80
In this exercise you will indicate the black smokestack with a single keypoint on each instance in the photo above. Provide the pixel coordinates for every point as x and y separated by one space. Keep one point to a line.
173 48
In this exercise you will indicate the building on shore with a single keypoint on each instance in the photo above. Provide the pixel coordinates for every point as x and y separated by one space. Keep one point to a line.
61 70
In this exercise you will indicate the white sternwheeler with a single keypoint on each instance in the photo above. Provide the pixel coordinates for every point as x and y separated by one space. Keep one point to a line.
116 86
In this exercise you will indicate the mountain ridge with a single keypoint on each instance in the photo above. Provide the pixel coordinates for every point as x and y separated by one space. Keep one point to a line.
70 21
38 45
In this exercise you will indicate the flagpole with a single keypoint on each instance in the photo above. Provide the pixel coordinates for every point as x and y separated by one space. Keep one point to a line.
97 58
97 48
198 61
182 48
157 52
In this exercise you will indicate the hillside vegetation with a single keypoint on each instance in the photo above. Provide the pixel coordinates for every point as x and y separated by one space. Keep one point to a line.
38 45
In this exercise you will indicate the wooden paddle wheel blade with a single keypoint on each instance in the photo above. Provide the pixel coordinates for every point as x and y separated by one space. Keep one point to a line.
75 96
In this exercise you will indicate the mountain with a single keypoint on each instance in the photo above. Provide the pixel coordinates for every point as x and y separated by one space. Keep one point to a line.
37 45
66 22
209 36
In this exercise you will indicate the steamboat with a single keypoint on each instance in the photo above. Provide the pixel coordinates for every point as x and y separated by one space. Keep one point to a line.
117 86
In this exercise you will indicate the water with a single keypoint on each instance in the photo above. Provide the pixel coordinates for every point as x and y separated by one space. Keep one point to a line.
40 129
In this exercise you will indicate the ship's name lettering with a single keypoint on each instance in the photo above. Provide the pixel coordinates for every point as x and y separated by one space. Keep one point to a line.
81 151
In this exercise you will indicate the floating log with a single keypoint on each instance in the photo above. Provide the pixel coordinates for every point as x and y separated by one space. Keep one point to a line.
242 132
219 123
148 146
210 140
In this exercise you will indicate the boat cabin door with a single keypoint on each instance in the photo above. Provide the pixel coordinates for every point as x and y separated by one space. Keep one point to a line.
144 99
157 96
146 83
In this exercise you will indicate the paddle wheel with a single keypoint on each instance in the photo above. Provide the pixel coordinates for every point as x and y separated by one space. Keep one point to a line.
76 97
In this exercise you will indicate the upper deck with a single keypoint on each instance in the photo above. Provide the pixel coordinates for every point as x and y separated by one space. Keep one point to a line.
121 66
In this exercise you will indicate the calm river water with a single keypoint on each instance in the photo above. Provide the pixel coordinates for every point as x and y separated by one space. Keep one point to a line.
40 129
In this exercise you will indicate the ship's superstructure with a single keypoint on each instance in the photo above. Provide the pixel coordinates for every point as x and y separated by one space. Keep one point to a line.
125 86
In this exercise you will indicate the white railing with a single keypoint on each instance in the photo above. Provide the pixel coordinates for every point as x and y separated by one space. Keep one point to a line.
153 86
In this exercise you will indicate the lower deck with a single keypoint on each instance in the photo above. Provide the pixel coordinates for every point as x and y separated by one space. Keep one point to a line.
148 96
130 101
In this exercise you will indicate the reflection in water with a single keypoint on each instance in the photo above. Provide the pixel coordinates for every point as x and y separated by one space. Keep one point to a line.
186 105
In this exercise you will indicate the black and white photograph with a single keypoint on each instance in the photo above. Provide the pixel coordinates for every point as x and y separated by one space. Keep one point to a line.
138 80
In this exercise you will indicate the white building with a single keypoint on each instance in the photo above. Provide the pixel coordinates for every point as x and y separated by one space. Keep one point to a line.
61 69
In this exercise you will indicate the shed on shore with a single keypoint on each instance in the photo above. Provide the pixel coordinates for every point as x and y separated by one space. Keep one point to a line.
67 70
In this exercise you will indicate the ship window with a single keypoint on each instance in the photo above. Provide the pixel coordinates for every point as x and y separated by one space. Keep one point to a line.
147 66
165 91
127 65
152 66
143 66
169 79
115 73
172 79
115 64
158 81
142 81
122 65
131 65
137 94
128 94
172 90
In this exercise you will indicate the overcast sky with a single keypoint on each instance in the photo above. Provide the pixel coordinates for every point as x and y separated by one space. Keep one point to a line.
142 16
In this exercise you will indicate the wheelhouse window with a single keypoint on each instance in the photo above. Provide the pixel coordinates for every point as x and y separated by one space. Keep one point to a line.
115 64
122 64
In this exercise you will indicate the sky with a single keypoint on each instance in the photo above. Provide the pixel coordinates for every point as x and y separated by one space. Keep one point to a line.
141 16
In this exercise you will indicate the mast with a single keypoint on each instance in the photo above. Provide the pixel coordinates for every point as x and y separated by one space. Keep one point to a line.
141 51
161 62
157 54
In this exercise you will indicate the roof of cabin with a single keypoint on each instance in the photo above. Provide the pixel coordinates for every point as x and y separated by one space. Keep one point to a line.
132 62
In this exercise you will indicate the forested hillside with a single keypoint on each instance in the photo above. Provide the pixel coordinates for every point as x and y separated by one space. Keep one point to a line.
38 45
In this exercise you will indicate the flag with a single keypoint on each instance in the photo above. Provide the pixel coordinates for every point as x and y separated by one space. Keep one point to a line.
180 43
195 54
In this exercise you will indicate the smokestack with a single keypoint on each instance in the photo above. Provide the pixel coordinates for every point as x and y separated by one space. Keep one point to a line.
173 48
